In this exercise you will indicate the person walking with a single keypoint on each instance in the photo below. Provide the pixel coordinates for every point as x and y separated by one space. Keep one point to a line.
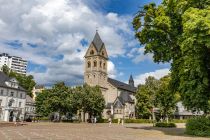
118 121
110 121
95 120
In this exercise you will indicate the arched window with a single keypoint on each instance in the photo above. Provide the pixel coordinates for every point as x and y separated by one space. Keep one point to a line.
104 66
103 53
89 64
92 52
95 64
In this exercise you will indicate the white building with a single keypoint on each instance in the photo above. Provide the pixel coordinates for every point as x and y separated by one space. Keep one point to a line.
16 64
12 99
182 113
29 107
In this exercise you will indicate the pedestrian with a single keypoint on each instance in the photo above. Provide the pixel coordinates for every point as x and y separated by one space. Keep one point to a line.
110 122
95 120
118 121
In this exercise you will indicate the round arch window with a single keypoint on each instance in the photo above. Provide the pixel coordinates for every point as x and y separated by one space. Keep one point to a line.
104 65
95 64
92 52
89 64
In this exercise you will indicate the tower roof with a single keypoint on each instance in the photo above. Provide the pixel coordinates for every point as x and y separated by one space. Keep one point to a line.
97 42
131 78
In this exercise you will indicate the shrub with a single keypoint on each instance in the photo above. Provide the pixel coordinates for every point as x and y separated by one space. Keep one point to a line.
199 126
138 121
164 124
178 121
102 120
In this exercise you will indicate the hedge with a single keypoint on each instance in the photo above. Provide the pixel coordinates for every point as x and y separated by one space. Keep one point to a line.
178 121
138 121
164 124
198 126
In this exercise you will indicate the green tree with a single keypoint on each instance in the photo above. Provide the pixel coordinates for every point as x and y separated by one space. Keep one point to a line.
178 31
94 102
146 97
165 99
5 69
42 105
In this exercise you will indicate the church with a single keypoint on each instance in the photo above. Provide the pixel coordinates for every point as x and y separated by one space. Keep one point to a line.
119 96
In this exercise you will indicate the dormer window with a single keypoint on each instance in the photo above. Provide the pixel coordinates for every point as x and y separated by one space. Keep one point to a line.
92 52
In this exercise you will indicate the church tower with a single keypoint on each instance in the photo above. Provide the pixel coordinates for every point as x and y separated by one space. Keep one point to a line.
131 81
96 63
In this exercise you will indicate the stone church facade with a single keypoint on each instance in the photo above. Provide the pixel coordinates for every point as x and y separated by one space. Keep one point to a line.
119 96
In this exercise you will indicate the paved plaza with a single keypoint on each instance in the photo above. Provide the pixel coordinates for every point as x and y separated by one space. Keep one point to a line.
69 131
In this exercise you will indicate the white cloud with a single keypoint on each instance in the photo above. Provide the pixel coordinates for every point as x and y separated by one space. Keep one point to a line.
140 79
112 72
137 55
57 27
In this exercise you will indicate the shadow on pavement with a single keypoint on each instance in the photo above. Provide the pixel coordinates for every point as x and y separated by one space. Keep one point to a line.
166 131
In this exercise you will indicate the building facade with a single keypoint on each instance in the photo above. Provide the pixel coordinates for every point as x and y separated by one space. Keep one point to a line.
182 113
12 99
119 96
29 108
16 64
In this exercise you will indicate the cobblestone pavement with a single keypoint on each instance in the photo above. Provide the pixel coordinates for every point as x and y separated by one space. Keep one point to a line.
68 131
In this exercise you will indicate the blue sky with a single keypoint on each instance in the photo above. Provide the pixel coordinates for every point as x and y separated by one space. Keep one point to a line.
53 35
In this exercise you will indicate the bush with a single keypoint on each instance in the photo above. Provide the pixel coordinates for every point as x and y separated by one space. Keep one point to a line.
179 121
199 126
138 121
164 124
102 120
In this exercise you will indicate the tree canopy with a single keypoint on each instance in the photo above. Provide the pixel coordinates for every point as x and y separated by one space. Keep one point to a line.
63 99
156 94
178 31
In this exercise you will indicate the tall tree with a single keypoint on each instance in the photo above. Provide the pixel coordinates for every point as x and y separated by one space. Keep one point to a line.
5 69
146 97
178 31
165 99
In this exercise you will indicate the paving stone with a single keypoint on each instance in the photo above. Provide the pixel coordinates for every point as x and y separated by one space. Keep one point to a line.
82 131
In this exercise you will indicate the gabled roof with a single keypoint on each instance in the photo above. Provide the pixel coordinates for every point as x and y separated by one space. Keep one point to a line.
29 100
126 98
121 85
97 42
4 78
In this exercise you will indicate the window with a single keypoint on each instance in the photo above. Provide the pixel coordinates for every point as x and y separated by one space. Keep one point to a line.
92 52
0 102
2 92
21 95
103 53
12 94
100 64
104 65
89 64
95 64
19 104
